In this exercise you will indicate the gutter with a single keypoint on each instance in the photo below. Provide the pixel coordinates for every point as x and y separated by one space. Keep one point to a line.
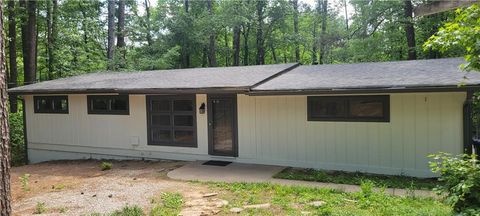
363 90
136 91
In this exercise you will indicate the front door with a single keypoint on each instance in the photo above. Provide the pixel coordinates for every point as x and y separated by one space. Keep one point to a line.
222 125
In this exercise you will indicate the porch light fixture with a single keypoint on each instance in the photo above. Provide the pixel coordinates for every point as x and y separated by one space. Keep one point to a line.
202 108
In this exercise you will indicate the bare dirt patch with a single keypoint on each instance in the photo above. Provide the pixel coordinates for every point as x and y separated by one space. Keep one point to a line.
81 188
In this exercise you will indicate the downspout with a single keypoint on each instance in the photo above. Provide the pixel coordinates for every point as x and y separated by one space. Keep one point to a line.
467 123
25 138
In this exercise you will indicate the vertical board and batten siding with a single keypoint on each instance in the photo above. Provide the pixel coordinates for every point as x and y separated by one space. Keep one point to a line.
115 135
271 130
275 130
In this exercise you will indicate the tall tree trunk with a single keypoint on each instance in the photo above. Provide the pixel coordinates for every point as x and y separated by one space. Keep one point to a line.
260 36
236 45
315 40
29 40
52 51
212 58
148 23
49 40
5 207
274 55
346 12
205 57
246 32
227 54
121 33
12 50
111 33
409 30
295 29
185 55
323 44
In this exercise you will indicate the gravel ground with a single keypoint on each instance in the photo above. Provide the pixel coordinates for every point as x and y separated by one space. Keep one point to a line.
81 188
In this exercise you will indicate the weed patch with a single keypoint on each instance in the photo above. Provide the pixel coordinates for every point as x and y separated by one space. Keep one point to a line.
340 177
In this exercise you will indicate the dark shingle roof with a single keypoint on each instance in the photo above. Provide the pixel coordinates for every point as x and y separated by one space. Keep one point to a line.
278 78
178 79
379 75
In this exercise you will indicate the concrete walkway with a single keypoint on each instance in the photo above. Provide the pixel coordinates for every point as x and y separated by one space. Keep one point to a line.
254 173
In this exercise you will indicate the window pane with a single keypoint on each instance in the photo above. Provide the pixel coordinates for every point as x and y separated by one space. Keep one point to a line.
163 120
183 120
183 105
328 108
60 105
161 105
119 104
184 136
100 104
366 108
44 104
161 135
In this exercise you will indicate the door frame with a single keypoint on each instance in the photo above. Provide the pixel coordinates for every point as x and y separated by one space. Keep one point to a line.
211 97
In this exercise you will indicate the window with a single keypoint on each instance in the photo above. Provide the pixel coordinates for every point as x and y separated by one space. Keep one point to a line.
171 121
51 104
349 108
108 104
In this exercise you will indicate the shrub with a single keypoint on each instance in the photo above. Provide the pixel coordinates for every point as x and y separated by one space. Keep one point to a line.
129 211
24 181
16 137
106 166
40 208
460 176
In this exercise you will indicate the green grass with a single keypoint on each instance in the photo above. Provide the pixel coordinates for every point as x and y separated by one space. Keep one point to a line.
128 211
293 200
169 204
340 177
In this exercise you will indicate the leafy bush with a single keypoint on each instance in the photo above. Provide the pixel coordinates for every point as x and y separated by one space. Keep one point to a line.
106 166
129 211
461 181
16 138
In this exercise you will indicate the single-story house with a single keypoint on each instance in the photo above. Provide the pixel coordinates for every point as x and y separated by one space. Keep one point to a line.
371 117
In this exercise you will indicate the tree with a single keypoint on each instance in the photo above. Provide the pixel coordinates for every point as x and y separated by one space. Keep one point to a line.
461 32
295 30
12 49
52 19
409 30
111 32
148 23
323 37
29 40
260 37
121 32
212 59
5 207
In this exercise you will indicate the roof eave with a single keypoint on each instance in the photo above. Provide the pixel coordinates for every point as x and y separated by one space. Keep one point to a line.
209 90
366 90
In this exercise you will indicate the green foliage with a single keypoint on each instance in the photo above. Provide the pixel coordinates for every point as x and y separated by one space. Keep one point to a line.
129 211
25 181
356 178
169 204
464 32
293 200
106 166
461 181
40 208
17 141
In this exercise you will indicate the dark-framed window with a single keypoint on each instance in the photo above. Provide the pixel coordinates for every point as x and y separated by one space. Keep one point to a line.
108 104
364 108
172 121
51 104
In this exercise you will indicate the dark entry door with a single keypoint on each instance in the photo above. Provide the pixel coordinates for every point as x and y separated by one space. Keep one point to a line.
222 125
